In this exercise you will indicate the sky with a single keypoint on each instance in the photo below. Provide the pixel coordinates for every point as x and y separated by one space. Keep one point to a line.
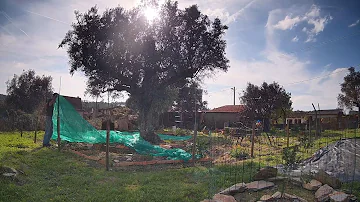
304 45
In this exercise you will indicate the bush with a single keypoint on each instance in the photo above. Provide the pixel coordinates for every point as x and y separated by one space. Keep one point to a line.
239 153
181 132
289 155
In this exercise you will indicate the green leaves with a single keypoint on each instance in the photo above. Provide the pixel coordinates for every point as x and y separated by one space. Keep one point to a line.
350 89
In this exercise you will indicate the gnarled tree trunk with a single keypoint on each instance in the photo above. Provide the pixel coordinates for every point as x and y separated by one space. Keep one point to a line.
148 123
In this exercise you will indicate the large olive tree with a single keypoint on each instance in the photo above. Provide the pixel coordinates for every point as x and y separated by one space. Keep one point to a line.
122 50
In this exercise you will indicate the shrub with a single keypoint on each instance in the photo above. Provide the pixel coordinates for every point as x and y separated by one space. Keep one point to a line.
289 155
239 153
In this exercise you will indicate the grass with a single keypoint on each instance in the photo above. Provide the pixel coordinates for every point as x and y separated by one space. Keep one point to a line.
49 175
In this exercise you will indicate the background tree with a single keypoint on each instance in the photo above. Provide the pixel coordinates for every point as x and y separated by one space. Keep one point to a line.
350 89
266 100
185 101
28 91
121 50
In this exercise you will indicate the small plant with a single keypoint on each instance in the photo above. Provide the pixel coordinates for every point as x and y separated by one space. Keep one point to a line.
289 155
181 132
239 153
306 142
202 145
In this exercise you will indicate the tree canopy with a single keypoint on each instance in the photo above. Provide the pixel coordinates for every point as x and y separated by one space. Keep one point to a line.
185 101
27 91
350 89
265 100
121 50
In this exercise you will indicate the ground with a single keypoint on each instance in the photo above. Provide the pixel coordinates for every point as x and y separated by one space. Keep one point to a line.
48 175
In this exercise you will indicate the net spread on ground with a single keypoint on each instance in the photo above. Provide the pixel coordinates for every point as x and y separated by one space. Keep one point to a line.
74 128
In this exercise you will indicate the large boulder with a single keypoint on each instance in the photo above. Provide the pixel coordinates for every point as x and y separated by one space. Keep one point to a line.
325 178
265 173
322 194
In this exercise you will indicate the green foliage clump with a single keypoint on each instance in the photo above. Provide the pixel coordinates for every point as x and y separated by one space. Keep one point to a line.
239 153
289 155
182 132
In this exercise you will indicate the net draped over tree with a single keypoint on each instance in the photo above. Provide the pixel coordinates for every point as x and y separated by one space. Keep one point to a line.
121 50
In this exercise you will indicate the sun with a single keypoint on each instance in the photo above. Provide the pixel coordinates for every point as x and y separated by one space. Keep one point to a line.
151 14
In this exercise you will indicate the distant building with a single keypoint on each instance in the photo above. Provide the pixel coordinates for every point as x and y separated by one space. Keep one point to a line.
224 116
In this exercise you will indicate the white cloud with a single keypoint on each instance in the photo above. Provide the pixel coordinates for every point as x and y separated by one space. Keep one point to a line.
295 39
225 16
288 70
355 23
288 23
312 17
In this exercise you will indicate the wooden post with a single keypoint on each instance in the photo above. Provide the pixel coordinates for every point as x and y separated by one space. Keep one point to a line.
107 144
287 133
36 126
58 124
252 140
195 130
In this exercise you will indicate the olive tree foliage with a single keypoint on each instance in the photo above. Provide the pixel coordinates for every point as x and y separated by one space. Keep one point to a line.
120 50
350 90
266 101
27 91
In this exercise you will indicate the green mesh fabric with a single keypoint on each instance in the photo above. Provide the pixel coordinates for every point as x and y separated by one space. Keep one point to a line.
73 128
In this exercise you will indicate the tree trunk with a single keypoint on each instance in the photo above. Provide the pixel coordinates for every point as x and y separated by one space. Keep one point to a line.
147 125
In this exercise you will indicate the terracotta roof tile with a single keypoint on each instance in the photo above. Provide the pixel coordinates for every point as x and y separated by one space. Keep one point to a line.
229 109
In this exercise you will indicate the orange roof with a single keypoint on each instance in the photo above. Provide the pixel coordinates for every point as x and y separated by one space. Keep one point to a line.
228 109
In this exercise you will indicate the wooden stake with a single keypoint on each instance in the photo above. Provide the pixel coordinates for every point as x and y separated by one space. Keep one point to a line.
107 144
36 126
252 140
287 133
58 124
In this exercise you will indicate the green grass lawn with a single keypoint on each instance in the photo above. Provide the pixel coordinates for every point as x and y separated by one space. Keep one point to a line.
49 175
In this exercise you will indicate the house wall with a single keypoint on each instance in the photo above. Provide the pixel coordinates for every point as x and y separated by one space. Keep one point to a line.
295 120
219 119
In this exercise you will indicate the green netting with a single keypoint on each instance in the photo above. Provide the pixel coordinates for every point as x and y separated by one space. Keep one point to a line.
73 128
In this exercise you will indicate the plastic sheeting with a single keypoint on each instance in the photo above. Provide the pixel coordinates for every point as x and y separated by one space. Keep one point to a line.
340 159
73 128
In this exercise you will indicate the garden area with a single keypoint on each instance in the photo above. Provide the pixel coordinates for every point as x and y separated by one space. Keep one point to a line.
44 174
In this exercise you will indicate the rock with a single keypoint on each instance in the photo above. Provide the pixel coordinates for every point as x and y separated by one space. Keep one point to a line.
223 198
265 198
237 188
322 194
6 169
259 185
325 178
313 185
116 161
339 197
276 195
265 173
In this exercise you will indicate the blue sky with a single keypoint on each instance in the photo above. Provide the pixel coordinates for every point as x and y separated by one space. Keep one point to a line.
305 45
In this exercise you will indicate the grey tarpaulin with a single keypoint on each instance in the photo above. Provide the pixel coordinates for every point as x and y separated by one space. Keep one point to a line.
337 159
